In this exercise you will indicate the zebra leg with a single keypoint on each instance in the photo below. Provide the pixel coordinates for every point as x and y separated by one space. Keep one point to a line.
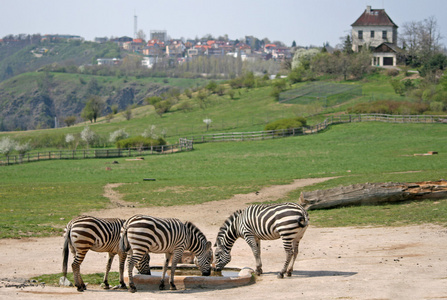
76 266
165 268
130 264
295 254
106 275
289 254
122 260
175 259
255 245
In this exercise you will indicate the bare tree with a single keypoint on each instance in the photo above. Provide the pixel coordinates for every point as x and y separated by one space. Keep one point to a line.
421 39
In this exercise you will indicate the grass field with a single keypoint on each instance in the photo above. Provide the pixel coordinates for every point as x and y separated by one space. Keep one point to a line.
35 196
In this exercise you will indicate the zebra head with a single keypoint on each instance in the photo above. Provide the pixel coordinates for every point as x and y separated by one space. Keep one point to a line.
204 259
201 248
222 256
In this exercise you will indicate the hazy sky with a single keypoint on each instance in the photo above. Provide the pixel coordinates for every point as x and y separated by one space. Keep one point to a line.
308 22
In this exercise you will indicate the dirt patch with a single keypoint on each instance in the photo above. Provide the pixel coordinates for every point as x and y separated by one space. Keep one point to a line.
334 263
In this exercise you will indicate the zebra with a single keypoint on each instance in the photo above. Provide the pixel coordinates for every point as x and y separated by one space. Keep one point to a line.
86 233
287 221
142 234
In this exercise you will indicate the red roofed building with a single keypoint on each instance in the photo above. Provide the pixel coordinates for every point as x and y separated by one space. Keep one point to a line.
372 29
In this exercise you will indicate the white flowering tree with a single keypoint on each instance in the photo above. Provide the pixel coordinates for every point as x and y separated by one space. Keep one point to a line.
7 145
207 123
303 56
88 136
71 140
150 133
23 148
117 135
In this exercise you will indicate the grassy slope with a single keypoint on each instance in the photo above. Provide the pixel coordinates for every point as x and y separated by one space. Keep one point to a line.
365 152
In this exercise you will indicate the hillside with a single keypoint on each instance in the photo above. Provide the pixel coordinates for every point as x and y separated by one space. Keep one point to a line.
34 100
22 57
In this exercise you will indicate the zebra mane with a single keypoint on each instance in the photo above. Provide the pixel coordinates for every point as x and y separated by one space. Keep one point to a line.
194 229
230 220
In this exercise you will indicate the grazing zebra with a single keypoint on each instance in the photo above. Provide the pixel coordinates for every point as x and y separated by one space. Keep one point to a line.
287 221
142 234
86 233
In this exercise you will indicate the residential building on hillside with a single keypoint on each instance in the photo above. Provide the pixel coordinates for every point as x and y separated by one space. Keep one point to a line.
375 29
108 61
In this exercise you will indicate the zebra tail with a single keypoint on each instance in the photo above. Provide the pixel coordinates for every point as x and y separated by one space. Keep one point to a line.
124 242
65 253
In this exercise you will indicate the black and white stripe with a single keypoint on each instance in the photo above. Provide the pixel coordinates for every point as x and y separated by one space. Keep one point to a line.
287 221
142 234
86 233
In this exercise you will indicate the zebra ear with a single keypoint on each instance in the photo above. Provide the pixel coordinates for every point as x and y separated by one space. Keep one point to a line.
208 246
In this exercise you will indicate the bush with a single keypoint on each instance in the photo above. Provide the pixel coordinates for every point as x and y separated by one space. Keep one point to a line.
392 72
139 142
289 123
389 107
117 135
7 145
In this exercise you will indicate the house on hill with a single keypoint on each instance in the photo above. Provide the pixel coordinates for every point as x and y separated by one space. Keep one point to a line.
375 29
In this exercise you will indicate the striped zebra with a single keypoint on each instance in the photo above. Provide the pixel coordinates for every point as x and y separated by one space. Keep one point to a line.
142 234
287 221
86 233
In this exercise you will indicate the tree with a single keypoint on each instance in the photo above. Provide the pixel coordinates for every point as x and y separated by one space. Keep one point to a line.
88 136
141 35
208 123
293 44
421 40
7 145
211 86
302 57
128 113
69 121
347 45
93 109
23 148
117 135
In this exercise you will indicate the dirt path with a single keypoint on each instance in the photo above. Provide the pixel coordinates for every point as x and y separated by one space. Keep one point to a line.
334 263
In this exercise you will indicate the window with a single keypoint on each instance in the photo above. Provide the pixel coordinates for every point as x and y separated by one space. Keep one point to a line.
360 34
372 34
384 34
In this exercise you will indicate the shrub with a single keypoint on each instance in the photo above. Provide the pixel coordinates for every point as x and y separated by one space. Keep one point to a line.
289 123
117 135
23 148
7 145
392 72
139 142
88 136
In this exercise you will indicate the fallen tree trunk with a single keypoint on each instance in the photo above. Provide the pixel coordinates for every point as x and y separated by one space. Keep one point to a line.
373 193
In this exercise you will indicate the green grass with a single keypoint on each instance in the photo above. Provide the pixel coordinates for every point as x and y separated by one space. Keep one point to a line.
95 279
35 196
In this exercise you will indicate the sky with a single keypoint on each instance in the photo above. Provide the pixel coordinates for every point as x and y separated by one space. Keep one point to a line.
307 22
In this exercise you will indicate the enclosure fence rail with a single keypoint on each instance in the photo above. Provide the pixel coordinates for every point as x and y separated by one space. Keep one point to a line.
271 134
183 145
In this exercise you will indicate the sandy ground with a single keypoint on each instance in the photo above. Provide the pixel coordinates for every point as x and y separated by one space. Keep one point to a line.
334 263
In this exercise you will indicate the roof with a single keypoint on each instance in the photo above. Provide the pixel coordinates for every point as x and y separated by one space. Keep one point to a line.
387 47
374 17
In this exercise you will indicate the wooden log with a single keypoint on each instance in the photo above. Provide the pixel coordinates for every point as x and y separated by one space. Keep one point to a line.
373 193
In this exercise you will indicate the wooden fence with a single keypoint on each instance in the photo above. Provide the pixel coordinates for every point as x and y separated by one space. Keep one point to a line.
272 134
186 144
183 145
